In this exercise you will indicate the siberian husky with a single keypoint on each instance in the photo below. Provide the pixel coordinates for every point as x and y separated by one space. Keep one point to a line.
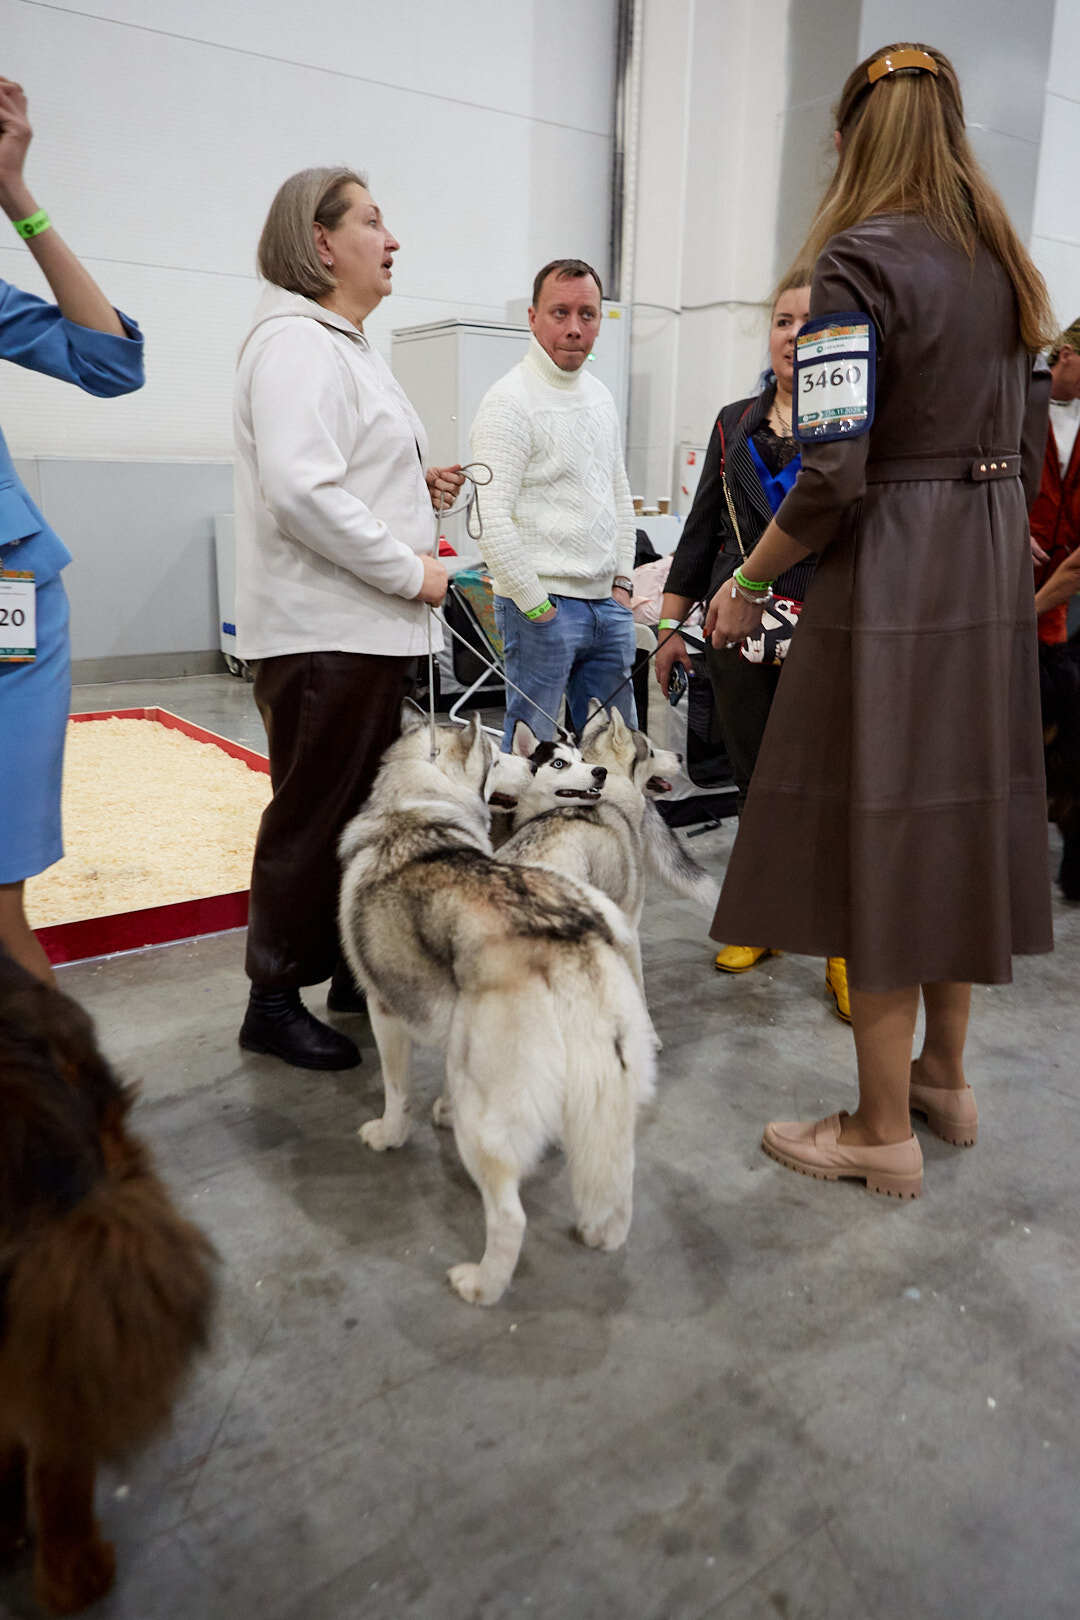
607 740
589 815
516 973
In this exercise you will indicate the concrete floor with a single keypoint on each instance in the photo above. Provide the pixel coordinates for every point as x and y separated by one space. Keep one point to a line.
783 1399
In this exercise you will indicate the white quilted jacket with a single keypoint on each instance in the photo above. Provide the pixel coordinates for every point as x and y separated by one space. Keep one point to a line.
331 504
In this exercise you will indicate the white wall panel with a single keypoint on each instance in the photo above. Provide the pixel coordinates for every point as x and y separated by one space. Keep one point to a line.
1065 50
713 91
1055 243
191 321
1056 211
999 49
1060 264
1012 166
537 58
158 152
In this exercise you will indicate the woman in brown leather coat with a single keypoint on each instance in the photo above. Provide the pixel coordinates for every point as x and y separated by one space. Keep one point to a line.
903 751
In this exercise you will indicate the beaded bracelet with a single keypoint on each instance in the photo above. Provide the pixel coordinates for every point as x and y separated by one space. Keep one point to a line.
756 598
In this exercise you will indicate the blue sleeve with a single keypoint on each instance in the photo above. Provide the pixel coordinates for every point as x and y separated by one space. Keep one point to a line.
34 334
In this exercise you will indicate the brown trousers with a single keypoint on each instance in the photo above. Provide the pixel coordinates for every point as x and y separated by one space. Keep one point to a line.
329 717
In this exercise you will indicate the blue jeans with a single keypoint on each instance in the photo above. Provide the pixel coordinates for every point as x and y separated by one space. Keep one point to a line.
583 652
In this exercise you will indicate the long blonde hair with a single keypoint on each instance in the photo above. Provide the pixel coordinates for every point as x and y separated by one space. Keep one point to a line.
904 150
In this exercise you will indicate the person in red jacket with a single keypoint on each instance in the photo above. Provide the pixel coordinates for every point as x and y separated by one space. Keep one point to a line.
1055 516
1055 545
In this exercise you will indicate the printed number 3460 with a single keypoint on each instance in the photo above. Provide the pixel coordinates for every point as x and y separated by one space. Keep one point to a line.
831 379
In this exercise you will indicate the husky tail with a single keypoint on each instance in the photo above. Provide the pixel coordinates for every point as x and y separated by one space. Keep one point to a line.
610 1072
668 860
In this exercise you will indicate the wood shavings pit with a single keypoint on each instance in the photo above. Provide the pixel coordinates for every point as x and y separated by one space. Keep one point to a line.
151 817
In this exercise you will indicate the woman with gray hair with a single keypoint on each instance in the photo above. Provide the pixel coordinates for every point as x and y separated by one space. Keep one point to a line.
333 580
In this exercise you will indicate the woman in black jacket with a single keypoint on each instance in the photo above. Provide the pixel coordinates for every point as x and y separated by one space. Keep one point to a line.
752 450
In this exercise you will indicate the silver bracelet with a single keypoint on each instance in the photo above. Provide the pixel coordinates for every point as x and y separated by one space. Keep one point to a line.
760 599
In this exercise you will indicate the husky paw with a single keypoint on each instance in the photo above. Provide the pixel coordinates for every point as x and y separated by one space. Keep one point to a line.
442 1112
606 1234
469 1281
378 1134
75 1577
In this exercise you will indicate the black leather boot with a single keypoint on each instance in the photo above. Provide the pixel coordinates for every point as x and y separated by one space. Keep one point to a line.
1069 870
277 1022
344 994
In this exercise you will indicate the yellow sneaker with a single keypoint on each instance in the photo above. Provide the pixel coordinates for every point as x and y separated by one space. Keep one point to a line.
737 958
837 986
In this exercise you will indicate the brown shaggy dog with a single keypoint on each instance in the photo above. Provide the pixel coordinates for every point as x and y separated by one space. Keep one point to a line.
105 1292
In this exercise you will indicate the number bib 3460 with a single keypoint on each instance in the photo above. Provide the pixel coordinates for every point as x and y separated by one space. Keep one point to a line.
18 618
834 378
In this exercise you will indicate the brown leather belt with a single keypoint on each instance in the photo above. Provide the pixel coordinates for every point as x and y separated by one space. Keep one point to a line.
978 470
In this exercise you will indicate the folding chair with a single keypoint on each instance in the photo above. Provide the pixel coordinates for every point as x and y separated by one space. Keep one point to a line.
470 610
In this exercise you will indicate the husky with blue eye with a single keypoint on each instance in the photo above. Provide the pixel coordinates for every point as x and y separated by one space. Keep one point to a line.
545 774
517 974
590 814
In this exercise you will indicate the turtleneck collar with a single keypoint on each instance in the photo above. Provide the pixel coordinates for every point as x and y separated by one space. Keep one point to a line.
541 362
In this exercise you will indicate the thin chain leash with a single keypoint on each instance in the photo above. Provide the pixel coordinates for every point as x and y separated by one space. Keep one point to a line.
471 507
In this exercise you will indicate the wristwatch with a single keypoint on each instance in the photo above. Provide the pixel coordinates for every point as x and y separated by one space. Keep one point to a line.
621 583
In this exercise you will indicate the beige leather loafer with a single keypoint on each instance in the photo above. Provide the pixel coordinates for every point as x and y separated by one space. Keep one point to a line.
813 1147
952 1115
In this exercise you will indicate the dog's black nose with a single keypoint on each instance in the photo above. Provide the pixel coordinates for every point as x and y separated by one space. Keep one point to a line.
600 773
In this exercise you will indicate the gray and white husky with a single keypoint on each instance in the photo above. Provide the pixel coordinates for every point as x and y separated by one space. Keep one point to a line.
516 973
590 814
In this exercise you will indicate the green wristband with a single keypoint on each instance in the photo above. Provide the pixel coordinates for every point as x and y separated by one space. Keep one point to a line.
668 624
538 612
762 587
33 224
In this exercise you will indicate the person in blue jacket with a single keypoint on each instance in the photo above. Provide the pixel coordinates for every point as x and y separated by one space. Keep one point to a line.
83 340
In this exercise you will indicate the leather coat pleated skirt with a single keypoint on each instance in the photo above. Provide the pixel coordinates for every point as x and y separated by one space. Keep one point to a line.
897 813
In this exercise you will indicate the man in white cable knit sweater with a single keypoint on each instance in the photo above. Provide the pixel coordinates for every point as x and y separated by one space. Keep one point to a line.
558 517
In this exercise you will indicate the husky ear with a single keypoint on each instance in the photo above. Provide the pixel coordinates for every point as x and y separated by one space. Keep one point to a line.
620 731
525 742
411 716
594 712
478 751
642 747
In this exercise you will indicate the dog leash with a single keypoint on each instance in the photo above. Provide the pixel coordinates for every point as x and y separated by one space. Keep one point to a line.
472 504
649 656
497 669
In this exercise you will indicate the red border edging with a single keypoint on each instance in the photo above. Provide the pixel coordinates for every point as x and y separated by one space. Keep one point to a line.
153 925
173 722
